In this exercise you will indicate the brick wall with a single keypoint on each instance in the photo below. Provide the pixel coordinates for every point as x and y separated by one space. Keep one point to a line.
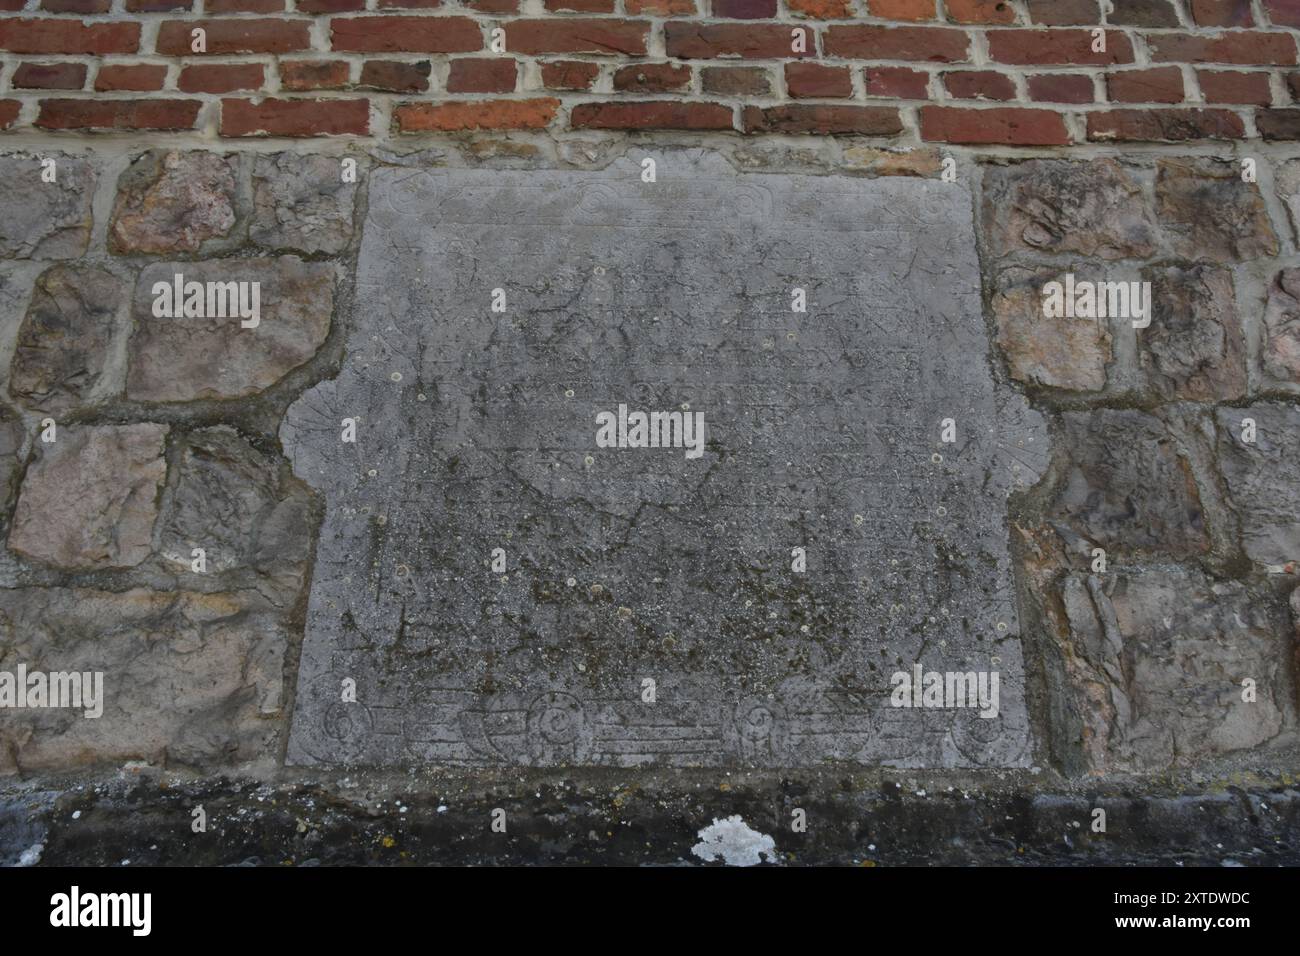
976 72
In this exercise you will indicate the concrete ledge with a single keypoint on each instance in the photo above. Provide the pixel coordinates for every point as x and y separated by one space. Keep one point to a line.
594 817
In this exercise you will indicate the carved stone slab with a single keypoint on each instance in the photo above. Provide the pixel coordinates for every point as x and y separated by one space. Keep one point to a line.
476 430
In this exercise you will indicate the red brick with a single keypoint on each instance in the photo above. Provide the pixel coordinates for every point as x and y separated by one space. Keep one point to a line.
736 80
49 76
477 114
234 36
652 78
1293 84
1031 47
9 113
1142 13
699 41
1235 87
421 5
744 9
1007 126
1061 88
660 8
1283 13
158 6
816 81
406 34
243 6
902 9
118 114
569 74
1163 125
580 6
938 44
979 85
1278 124
482 75
980 11
493 6
1244 46
1161 85
1064 13
130 77
393 76
331 6
12 6
76 6
821 9
68 36
558 35
823 120
276 117
300 75
896 81
1222 13
221 77
658 115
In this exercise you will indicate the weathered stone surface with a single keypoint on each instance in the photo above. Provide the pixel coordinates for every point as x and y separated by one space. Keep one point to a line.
1066 353
169 202
1129 485
1154 662
1208 212
1262 478
182 359
90 498
1287 184
1193 349
301 203
1281 347
477 431
40 220
1056 206
188 678
13 449
886 162
240 505
65 339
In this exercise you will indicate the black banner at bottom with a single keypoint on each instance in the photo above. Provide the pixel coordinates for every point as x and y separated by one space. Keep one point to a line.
334 906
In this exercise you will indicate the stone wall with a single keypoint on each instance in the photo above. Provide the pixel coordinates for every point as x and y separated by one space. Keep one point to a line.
129 439
167 437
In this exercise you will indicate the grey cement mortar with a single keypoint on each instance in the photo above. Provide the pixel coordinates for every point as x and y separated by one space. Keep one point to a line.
823 432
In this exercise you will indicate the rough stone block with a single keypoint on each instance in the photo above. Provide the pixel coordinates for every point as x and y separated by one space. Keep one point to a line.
1153 667
90 498
1194 349
241 506
1128 485
1262 479
174 202
1281 346
66 340
45 220
301 203
187 678
1065 353
180 359
1209 213
1056 206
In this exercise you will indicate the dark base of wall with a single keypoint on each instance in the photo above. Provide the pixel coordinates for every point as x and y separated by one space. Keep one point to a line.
611 818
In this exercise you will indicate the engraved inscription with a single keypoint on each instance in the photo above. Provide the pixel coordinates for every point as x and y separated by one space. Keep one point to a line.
476 431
